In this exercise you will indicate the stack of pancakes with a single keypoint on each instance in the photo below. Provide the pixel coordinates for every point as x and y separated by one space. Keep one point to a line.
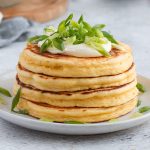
66 88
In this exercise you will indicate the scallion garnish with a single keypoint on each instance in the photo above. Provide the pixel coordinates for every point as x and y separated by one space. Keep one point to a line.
45 45
2 101
58 43
138 103
67 21
136 115
46 120
78 31
144 109
37 38
109 37
73 122
16 100
24 112
5 92
113 120
140 87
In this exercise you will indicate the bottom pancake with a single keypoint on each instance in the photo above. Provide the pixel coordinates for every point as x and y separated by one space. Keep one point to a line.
44 111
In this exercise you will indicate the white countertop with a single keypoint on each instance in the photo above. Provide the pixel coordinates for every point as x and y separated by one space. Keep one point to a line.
130 22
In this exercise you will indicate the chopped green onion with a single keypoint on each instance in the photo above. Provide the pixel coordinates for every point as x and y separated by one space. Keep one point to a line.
70 40
78 41
46 120
67 21
73 122
80 19
97 32
138 103
104 53
5 92
140 87
58 43
95 42
24 112
45 45
136 115
87 26
74 25
61 27
2 101
16 100
69 30
109 37
144 109
33 39
113 120
99 26
50 29
36 39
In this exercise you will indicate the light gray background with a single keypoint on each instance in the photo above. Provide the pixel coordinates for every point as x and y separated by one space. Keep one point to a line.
129 21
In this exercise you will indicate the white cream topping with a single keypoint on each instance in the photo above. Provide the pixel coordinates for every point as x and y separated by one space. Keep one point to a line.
79 50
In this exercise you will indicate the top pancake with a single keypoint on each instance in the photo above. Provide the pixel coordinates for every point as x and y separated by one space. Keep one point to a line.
69 66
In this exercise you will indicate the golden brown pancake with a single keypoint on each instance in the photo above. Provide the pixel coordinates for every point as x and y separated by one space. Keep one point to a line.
57 114
102 97
50 83
69 66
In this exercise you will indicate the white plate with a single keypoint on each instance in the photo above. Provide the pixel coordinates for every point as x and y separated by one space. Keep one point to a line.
124 122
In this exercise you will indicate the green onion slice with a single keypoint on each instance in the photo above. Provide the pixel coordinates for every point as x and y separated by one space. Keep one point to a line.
16 100
5 92
140 87
144 109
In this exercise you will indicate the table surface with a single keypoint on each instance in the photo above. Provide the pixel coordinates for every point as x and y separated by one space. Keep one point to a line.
130 22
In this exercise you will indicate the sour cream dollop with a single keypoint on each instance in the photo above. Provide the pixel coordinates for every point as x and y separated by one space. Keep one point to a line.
79 50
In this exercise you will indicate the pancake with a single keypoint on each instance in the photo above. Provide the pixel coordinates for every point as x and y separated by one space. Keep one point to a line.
69 66
101 97
85 115
50 83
